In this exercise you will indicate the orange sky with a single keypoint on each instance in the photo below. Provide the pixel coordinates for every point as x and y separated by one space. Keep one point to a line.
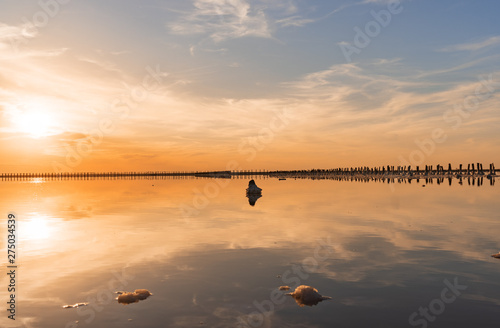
87 92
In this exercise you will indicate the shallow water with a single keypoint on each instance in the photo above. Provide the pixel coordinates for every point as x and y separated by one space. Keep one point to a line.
382 252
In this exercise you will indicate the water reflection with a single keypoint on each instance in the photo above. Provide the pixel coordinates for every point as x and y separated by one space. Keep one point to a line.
391 250
252 198
37 227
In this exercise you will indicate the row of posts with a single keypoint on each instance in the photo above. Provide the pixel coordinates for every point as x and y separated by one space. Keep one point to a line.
429 169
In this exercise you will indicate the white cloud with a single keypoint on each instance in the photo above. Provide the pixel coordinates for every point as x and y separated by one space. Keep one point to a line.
324 77
108 66
13 36
222 20
8 31
294 21
299 21
380 2
474 46
230 19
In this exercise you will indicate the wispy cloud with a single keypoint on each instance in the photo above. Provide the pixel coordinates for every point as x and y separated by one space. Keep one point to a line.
222 20
108 66
300 21
230 19
379 2
473 46
9 31
374 89
294 21
457 68
11 37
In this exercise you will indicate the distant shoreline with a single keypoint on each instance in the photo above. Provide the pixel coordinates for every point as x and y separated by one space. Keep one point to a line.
377 173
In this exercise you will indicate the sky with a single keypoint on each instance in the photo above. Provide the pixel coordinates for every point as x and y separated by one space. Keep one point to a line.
123 85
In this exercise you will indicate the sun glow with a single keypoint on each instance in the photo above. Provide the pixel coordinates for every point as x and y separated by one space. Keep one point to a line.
36 228
31 119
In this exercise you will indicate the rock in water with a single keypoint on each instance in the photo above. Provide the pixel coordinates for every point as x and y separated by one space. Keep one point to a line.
142 294
252 188
127 298
307 295
136 296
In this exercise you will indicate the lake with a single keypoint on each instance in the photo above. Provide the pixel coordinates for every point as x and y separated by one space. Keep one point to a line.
388 255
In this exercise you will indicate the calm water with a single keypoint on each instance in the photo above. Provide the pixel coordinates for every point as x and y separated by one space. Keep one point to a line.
381 253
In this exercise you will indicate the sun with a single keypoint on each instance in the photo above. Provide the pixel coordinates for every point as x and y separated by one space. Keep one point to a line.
36 122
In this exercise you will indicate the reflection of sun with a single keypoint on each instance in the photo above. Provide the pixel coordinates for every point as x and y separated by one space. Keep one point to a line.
38 227
32 119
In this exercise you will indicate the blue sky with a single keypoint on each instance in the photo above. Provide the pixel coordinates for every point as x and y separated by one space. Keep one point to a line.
227 67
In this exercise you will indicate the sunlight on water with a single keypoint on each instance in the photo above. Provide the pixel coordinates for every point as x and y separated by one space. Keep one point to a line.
37 227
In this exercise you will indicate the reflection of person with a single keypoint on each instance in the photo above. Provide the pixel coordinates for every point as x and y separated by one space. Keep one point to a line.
252 198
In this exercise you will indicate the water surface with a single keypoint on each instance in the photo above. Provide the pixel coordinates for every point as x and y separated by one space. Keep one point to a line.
382 252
